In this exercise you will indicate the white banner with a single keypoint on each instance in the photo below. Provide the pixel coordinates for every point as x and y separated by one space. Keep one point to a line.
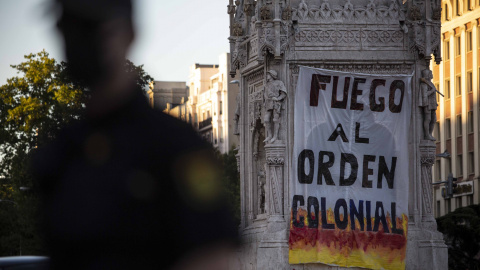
349 182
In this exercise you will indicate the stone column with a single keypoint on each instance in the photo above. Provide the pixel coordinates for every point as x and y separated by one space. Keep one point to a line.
427 158
273 248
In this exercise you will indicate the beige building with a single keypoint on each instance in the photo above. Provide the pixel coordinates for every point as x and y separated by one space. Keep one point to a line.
179 111
160 93
457 128
212 102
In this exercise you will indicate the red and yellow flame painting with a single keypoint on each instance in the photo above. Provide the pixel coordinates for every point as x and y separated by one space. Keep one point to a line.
348 248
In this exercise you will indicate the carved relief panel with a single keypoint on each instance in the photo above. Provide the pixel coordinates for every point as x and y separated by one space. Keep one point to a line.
256 151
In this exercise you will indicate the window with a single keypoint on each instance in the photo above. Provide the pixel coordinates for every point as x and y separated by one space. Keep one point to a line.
447 50
447 18
438 170
458 49
459 202
458 85
447 89
459 165
215 136
470 122
468 41
221 106
470 199
469 82
458 124
437 86
436 131
448 166
448 208
471 163
447 129
458 7
438 208
469 5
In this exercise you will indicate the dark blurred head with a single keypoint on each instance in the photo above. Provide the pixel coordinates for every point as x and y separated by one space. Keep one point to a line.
97 35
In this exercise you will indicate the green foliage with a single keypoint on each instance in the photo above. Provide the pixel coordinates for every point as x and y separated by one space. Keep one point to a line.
231 181
34 106
462 236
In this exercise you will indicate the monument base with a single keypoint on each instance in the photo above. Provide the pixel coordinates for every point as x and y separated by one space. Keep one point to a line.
426 250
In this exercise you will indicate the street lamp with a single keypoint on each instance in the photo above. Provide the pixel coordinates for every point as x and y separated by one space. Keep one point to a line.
449 184
445 154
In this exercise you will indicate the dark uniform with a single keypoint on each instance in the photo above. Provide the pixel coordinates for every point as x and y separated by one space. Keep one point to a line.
135 189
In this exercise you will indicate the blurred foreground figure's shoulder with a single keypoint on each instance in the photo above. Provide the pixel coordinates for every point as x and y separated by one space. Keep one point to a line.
128 187
135 187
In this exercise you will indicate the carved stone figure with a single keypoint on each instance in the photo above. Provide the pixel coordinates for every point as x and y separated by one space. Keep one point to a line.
237 30
273 99
265 13
427 101
261 191
236 119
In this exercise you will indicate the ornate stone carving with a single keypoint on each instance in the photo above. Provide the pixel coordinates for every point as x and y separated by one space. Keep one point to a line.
437 13
237 29
236 118
427 159
249 7
239 15
275 160
349 13
261 191
427 101
287 13
415 14
392 68
274 97
349 37
231 9
425 32
255 109
239 56
254 77
265 13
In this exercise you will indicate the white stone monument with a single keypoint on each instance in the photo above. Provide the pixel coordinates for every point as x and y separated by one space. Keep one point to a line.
269 40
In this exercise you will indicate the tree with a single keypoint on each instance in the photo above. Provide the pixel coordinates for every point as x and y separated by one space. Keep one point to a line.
34 107
231 180
462 236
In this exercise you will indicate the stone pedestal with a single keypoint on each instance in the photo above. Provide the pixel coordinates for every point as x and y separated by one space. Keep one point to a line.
274 241
363 36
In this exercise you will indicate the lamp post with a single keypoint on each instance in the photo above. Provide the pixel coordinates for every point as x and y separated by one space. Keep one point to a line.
449 183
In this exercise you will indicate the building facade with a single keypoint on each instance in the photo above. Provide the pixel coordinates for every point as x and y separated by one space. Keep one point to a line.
457 127
179 111
161 92
211 104
270 40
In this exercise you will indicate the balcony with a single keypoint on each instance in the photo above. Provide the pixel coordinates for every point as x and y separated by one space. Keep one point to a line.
205 123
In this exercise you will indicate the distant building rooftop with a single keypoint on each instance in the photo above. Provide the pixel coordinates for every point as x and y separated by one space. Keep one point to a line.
197 65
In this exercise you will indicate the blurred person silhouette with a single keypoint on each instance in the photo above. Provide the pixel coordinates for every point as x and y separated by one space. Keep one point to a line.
128 187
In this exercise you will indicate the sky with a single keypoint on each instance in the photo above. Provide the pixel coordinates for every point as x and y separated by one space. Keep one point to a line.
171 35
